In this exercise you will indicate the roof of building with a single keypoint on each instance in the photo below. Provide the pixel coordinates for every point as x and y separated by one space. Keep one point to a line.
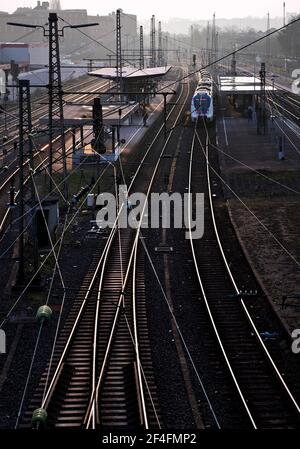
130 72
241 85
13 45
83 115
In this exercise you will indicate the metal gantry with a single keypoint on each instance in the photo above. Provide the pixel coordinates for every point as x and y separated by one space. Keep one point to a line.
159 53
142 58
213 36
166 48
98 128
153 42
208 57
25 130
268 42
56 111
55 88
191 41
119 50
261 122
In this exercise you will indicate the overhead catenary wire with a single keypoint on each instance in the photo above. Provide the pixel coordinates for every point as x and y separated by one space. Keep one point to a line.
272 180
31 209
78 210
47 196
272 235
59 320
281 129
242 302
48 232
90 412
48 255
99 43
125 314
56 187
44 166
198 376
59 316
37 343
216 61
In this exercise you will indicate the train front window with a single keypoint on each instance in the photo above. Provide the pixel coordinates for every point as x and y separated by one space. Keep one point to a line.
202 104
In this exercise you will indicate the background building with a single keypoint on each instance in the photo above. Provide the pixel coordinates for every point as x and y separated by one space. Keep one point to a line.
75 44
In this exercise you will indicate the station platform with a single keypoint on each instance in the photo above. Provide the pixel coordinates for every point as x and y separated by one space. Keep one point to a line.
264 200
82 115
132 127
237 137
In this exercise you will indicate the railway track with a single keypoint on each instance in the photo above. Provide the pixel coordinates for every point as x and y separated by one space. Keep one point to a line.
40 159
284 100
102 372
39 110
290 109
120 403
264 398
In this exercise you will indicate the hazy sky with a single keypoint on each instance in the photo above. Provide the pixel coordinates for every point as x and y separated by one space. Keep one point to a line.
178 8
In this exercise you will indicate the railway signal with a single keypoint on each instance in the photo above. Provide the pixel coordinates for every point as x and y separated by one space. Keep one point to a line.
98 128
12 196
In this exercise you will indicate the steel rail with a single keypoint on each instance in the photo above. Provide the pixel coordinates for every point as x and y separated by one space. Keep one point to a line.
15 172
108 244
133 256
37 111
210 314
262 345
76 96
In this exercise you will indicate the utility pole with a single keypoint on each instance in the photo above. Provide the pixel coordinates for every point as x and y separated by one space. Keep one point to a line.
25 128
22 93
233 65
98 129
55 92
268 42
261 119
192 42
142 60
207 44
56 111
153 42
27 104
217 47
283 13
159 45
213 32
119 50
166 49
165 115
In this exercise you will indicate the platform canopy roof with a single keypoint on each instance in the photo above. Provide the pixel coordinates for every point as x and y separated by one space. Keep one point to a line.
82 115
241 85
131 72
